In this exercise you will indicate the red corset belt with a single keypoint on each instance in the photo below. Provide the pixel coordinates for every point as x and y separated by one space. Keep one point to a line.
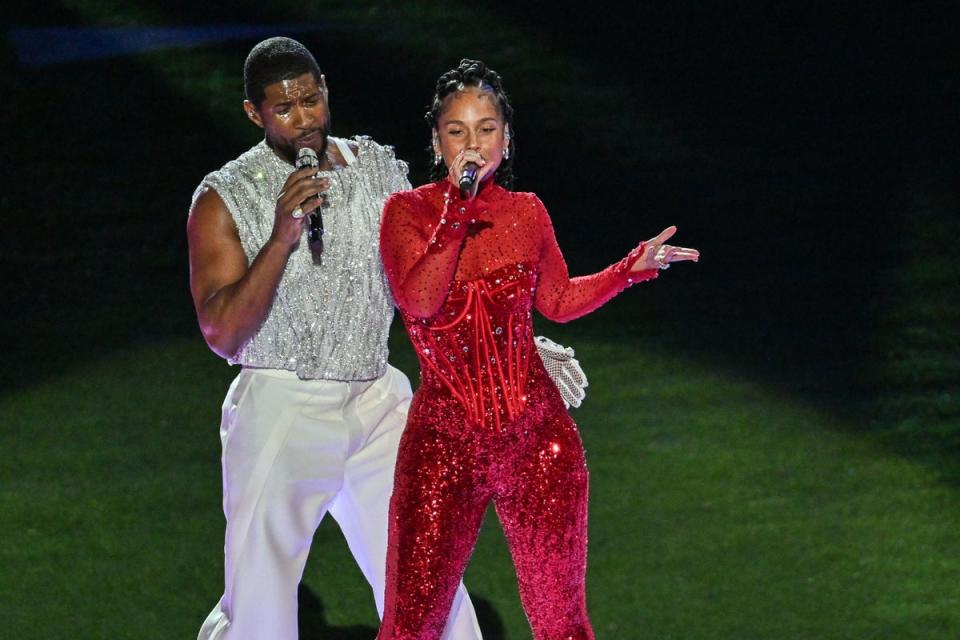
467 275
479 347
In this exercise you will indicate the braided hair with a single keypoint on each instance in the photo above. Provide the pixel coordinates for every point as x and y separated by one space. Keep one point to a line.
472 73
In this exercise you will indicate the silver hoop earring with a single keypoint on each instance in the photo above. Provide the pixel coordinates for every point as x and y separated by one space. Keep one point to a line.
437 158
506 153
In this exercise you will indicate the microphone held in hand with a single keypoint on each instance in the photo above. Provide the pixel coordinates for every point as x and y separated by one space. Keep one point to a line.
468 180
308 158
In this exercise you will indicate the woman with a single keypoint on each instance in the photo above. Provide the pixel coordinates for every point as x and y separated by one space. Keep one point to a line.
487 423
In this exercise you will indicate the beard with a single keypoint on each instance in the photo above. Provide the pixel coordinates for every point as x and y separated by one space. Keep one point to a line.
316 139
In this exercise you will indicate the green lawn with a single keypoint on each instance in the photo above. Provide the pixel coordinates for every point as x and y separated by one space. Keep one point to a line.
719 509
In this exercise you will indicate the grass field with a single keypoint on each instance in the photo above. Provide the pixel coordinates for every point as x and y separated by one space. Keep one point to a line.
719 508
773 435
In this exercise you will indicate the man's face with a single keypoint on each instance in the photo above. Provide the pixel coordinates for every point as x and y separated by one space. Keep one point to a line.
294 115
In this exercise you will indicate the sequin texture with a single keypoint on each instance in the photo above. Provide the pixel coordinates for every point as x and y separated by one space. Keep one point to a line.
487 423
327 321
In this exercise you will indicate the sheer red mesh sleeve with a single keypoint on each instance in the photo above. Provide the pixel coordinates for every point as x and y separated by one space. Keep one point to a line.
562 298
420 242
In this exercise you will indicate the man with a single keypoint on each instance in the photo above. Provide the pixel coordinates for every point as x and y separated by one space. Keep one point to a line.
312 422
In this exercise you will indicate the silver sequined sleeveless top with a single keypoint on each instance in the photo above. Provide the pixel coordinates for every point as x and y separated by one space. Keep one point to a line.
328 321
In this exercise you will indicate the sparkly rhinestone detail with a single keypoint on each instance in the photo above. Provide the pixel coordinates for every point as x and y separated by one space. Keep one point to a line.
331 320
472 284
487 423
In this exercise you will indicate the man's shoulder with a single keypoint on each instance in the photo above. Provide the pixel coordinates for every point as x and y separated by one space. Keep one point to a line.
361 144
249 166
250 161
379 162
243 177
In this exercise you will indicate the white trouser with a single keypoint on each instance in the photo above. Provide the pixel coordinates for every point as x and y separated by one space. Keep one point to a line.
292 450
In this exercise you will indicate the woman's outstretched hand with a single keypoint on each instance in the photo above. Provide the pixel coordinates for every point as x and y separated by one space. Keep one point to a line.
657 255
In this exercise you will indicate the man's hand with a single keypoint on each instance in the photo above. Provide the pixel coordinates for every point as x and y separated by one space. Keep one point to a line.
294 204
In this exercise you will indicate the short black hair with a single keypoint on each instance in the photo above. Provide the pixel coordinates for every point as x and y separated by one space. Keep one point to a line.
473 73
274 60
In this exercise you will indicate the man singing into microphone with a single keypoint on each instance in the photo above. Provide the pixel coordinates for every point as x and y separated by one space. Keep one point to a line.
312 422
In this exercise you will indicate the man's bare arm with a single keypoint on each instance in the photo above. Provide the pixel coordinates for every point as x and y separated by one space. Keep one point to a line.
232 298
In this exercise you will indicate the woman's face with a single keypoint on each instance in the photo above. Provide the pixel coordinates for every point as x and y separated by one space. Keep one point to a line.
471 123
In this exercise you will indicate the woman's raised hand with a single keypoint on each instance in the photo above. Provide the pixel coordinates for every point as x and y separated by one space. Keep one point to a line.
658 255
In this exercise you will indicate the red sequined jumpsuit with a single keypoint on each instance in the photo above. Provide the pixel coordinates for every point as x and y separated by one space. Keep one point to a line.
487 423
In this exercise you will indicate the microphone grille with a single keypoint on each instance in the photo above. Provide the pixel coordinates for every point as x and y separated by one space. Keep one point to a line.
307 157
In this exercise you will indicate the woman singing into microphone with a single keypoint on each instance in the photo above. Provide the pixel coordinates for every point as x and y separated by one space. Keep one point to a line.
487 423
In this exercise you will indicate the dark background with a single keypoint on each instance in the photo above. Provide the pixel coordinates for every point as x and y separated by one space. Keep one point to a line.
810 151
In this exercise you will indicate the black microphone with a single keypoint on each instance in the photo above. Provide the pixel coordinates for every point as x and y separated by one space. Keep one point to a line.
468 180
307 157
